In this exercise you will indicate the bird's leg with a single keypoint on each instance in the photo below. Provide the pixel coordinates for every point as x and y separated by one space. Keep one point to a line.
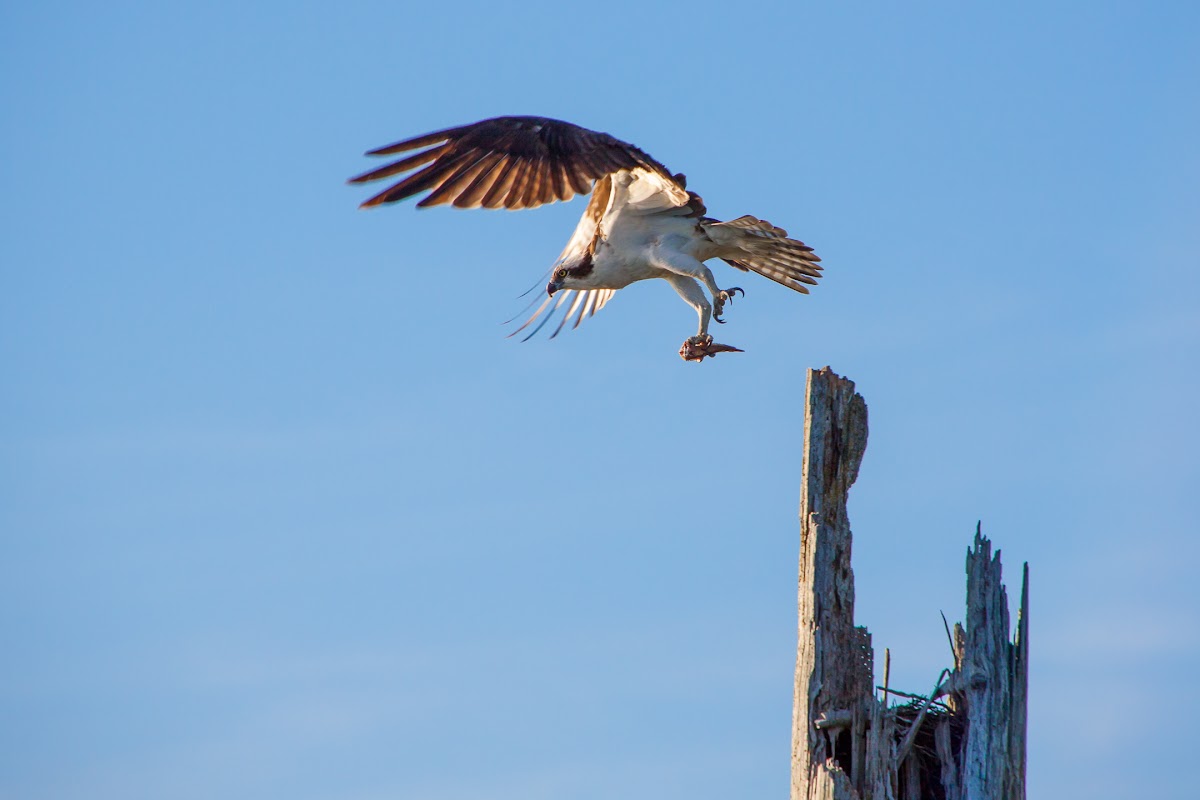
683 271
700 345
719 296
693 295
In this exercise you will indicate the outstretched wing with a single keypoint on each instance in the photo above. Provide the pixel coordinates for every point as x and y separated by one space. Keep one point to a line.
579 304
506 162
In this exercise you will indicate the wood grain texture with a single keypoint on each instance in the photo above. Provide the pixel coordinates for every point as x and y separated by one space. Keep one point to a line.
847 744
993 680
834 659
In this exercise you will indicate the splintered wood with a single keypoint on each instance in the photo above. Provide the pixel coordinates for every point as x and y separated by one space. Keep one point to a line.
994 680
847 744
834 659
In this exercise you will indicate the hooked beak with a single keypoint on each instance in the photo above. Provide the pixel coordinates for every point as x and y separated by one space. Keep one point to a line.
552 287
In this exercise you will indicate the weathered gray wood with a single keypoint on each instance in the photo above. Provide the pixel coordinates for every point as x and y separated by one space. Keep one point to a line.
949 765
993 679
833 659
1019 705
912 778
846 743
881 754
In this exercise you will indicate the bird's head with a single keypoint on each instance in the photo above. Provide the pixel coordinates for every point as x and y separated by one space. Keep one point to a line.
557 281
571 275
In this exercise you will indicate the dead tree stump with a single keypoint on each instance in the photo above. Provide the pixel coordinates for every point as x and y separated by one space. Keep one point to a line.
966 740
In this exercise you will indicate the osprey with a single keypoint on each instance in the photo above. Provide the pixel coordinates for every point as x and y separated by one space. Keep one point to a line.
641 221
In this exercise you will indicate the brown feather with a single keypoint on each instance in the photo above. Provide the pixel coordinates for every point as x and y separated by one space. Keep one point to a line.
554 177
419 141
532 187
455 183
543 160
403 165
579 181
512 199
598 204
470 196
502 185
418 182
546 187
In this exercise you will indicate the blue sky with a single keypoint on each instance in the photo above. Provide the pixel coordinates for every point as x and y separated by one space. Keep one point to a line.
285 515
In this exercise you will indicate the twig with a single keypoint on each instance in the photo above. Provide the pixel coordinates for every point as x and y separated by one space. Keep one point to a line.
887 672
949 638
911 737
905 694
909 695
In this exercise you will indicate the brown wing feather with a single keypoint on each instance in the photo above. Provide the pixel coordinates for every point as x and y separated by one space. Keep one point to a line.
502 185
473 195
418 141
523 170
427 178
403 165
505 162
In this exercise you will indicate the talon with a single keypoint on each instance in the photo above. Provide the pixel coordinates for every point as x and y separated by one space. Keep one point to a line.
698 347
736 289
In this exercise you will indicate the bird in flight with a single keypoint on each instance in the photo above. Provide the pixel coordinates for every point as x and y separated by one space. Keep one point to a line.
641 221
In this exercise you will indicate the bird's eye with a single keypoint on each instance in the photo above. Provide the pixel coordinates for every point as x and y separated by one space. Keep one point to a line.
562 273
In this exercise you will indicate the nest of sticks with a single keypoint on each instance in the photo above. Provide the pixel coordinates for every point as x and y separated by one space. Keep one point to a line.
920 775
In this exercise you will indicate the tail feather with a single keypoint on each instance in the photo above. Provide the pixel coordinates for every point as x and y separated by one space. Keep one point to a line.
749 223
757 245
